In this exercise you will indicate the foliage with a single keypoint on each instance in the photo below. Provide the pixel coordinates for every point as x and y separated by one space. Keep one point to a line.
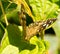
11 32
13 40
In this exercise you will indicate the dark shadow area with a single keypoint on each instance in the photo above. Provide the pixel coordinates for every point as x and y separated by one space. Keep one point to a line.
12 21
50 31
58 51
28 20
15 38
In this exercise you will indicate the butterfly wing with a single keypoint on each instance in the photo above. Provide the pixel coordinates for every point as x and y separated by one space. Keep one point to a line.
37 27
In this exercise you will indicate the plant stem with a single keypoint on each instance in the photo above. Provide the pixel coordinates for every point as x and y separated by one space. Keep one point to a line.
41 35
3 13
2 26
8 5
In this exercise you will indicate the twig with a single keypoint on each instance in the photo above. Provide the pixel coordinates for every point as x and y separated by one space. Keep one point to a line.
3 13
8 5
2 26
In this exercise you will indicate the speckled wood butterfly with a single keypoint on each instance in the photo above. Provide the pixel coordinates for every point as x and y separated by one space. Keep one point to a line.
35 28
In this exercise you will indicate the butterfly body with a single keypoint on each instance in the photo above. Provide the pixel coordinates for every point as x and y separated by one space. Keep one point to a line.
35 28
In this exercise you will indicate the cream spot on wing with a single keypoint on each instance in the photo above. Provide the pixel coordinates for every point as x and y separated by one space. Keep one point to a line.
44 24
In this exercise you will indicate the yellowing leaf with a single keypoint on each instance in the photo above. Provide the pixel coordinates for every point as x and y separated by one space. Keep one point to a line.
10 50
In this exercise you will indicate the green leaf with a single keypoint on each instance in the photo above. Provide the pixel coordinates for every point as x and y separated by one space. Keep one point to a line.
24 52
46 44
12 16
12 36
40 47
10 50
1 31
14 43
4 41
43 9
54 0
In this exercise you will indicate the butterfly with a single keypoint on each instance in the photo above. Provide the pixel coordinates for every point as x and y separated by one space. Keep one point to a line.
36 27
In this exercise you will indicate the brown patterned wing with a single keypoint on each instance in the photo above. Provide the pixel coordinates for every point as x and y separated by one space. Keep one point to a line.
32 29
37 27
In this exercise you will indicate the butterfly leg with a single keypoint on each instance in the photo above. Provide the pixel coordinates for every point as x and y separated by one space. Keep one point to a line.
41 34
